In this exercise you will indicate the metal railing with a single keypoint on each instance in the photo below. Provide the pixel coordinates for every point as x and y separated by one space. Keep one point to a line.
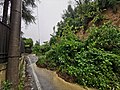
4 42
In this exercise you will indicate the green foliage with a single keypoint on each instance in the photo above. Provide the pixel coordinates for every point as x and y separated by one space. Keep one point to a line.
27 11
63 52
6 85
40 51
80 16
28 43
83 13
106 37
36 48
94 62
98 69
21 74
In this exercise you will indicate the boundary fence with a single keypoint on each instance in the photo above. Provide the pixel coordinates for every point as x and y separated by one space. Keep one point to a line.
4 42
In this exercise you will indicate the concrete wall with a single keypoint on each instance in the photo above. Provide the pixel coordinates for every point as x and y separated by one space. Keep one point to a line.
2 73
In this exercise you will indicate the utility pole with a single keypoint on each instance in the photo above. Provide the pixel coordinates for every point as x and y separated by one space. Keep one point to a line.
14 44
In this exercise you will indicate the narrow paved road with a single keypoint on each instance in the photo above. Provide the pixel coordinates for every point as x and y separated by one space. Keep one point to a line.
48 80
31 60
42 81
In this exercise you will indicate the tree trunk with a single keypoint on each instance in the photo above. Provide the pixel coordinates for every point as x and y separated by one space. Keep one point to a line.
14 44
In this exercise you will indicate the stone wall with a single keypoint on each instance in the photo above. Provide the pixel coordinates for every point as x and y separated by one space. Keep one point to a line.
2 73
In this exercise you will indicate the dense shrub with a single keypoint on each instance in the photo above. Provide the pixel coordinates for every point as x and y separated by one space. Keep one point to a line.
41 49
106 37
28 44
63 52
36 48
96 68
94 62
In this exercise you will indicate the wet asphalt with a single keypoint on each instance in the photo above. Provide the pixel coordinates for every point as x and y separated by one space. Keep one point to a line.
43 79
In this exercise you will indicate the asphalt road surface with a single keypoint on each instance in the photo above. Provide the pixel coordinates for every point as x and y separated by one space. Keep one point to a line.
41 79
44 79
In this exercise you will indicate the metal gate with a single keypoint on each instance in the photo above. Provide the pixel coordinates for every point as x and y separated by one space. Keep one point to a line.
4 41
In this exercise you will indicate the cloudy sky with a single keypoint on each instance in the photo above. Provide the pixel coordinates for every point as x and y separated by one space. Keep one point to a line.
47 14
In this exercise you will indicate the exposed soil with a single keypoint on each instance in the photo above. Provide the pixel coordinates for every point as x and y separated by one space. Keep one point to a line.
41 65
81 35
109 15
114 17
66 77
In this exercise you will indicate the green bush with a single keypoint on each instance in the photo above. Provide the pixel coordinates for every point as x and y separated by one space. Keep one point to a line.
28 44
94 62
6 85
63 52
106 37
41 49
98 69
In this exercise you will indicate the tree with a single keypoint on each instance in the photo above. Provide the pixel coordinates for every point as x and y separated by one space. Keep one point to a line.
14 44
26 10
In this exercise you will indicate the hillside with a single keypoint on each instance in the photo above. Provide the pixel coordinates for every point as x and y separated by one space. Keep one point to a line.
109 16
85 49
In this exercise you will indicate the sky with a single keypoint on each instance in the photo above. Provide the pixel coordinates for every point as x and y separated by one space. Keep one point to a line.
48 14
